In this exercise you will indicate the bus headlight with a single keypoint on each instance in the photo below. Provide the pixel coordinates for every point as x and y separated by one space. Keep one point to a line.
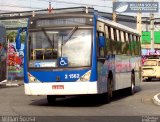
86 77
32 78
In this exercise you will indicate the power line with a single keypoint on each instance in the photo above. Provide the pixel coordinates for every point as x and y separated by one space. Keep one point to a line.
75 3
56 1
9 5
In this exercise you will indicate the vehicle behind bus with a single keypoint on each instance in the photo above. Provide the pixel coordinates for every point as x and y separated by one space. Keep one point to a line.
151 69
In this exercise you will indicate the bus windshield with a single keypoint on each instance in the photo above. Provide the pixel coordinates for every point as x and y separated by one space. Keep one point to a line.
46 46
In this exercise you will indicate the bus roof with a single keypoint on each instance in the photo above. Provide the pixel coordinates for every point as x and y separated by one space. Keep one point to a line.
117 25
82 10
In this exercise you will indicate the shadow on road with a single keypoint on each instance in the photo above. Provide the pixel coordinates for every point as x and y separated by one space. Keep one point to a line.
71 101
84 100
121 94
153 80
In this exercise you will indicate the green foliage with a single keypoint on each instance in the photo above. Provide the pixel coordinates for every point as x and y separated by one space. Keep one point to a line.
11 35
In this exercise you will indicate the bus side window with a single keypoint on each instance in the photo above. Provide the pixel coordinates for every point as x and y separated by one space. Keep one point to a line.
129 39
131 44
137 46
114 40
108 40
123 42
127 44
118 43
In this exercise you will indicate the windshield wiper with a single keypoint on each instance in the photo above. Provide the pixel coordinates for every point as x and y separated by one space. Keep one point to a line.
49 40
74 29
68 37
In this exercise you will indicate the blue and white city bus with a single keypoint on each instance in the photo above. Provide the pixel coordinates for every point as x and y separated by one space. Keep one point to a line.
3 55
71 52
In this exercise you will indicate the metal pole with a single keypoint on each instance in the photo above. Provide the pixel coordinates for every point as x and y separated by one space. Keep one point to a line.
7 67
114 13
50 7
139 21
146 24
152 29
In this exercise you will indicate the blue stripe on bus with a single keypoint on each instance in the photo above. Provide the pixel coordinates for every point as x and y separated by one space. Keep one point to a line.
94 53
58 76
25 56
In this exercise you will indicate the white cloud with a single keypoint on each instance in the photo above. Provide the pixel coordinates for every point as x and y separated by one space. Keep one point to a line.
8 6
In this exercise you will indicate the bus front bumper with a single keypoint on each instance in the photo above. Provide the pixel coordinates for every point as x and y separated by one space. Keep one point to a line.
61 88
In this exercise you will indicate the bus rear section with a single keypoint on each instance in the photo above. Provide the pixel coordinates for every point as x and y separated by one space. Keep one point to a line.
3 55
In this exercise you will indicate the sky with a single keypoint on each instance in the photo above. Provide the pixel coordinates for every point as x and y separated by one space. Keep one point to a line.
24 5
100 5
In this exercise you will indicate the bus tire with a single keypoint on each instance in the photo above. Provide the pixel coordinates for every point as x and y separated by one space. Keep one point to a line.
109 88
132 88
51 99
149 79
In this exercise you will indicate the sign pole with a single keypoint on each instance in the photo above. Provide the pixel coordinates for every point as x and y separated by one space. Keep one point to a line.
114 13
139 21
152 31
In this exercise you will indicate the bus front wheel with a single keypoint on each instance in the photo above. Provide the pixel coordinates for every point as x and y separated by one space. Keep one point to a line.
51 99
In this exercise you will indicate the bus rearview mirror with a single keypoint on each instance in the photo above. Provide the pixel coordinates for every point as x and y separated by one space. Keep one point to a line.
18 41
101 41
18 37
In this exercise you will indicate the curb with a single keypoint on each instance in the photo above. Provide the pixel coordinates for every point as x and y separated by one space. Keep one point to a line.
156 100
12 84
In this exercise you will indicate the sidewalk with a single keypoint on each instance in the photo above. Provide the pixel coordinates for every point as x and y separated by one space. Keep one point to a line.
11 83
14 83
156 99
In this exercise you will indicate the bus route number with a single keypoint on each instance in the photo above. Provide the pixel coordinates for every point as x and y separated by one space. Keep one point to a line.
71 76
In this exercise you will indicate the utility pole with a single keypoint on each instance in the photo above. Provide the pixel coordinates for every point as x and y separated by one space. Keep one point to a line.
139 21
152 29
146 24
114 13
50 8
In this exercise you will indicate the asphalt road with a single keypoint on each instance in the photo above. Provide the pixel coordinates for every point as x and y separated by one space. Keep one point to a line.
13 102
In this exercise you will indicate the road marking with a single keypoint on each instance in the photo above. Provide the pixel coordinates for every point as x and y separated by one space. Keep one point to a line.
156 100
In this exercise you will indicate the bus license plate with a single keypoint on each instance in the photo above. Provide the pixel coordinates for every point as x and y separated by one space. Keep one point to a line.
58 87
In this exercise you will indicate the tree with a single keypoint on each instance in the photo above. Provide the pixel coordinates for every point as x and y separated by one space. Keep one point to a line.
11 35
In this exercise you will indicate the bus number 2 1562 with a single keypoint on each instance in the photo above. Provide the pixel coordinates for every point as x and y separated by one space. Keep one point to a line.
72 76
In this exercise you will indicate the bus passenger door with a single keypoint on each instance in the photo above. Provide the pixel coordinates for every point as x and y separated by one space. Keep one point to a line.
101 62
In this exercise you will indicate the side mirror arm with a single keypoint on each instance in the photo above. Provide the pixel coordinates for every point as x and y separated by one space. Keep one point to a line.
18 37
